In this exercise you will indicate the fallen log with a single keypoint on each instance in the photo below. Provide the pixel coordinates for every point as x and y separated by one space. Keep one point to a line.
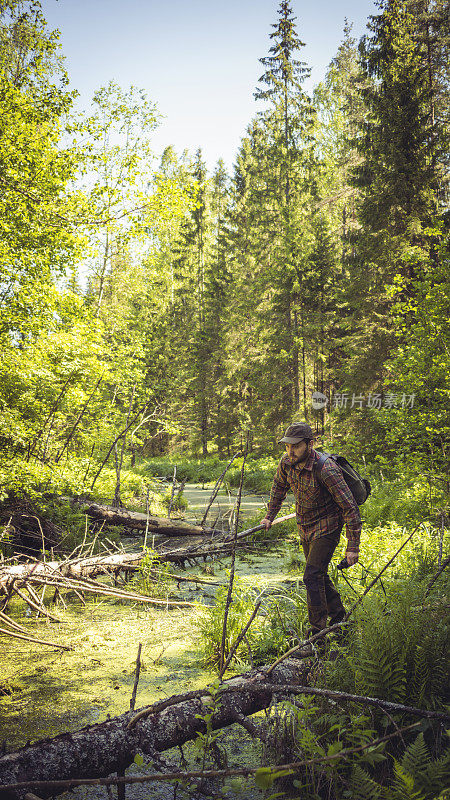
98 750
112 563
52 765
77 574
209 546
71 576
137 521
76 568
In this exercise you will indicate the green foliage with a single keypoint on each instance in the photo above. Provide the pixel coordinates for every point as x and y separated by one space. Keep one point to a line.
309 731
216 305
379 544
211 624
396 649
179 502
280 622
153 576
363 787
206 740
429 776
194 470
258 475
405 501
39 481
415 777
312 730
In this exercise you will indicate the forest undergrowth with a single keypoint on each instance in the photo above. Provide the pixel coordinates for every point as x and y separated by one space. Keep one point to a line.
395 647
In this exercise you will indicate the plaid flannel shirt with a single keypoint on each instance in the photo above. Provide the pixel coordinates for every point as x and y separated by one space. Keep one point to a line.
319 510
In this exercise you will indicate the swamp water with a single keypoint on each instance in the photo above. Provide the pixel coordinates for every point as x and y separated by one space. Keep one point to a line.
52 692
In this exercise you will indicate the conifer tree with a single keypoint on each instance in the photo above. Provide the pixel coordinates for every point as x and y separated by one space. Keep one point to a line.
199 309
274 199
397 180
283 77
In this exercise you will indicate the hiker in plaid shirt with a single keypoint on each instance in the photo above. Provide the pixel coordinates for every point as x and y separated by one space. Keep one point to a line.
322 507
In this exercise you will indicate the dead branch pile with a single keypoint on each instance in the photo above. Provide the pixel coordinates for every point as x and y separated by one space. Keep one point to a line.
77 573
30 581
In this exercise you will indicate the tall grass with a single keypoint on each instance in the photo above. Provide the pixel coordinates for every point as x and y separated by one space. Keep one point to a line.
258 475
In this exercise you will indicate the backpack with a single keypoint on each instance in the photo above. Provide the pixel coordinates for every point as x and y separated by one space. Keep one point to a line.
359 487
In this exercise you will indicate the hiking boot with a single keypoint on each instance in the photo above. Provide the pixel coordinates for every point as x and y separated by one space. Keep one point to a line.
342 635
335 618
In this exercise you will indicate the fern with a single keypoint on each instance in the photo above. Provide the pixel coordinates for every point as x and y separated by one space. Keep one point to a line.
382 675
396 653
362 787
417 776
419 680
434 776
403 786
428 680
416 757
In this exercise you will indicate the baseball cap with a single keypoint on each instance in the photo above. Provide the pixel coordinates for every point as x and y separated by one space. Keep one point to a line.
296 433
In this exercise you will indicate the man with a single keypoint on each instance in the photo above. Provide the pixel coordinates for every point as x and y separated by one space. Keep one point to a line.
322 504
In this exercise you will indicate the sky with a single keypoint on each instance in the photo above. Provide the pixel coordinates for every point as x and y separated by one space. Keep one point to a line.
198 60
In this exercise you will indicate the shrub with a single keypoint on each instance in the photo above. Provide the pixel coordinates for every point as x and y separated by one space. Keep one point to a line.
258 473
280 622
179 502
402 500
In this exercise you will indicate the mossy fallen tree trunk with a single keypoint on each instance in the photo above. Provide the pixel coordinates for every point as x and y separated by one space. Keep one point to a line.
108 747
140 522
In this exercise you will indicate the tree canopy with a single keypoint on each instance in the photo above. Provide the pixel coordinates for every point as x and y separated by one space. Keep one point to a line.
201 306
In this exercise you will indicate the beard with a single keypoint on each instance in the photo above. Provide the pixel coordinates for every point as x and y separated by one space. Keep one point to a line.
301 460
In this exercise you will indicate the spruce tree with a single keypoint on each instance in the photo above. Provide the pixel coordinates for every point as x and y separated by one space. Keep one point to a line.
280 188
397 182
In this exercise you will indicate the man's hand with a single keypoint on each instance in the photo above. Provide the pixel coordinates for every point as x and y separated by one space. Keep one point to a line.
351 557
267 523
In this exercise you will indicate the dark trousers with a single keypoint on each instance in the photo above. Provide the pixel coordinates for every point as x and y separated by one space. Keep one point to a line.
323 599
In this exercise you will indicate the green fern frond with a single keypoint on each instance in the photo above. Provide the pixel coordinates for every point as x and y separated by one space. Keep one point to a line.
397 653
416 757
380 675
362 787
419 680
404 785
434 777
428 670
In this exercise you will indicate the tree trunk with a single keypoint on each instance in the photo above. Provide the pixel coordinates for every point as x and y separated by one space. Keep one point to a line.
133 519
200 546
101 749
119 459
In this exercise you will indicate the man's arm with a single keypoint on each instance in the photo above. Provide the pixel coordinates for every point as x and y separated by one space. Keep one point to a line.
332 477
277 494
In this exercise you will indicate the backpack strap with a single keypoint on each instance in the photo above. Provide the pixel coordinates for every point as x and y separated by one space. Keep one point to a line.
318 465
320 462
